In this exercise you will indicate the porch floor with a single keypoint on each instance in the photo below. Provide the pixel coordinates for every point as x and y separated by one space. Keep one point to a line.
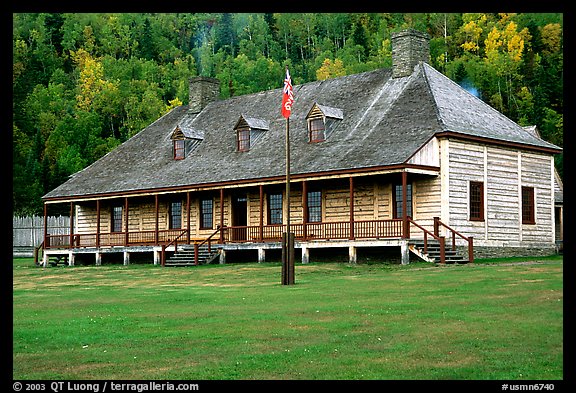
226 250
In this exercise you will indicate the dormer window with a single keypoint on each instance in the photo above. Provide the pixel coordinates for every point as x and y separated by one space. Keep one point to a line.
179 149
243 138
316 127
322 121
248 131
184 141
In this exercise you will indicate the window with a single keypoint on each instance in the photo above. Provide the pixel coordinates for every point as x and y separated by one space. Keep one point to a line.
206 214
274 209
476 201
314 206
248 131
179 149
184 141
316 127
175 217
397 200
116 222
243 135
322 121
528 205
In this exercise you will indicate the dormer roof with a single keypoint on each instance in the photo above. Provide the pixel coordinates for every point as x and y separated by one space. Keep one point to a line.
327 111
252 123
186 132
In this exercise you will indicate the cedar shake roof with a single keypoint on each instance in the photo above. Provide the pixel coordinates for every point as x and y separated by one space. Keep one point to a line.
384 122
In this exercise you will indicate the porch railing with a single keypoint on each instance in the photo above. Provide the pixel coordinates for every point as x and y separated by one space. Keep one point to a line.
435 236
366 229
454 233
111 239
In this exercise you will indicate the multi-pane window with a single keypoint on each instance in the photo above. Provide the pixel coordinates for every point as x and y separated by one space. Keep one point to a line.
179 149
116 222
316 128
476 201
398 211
175 217
274 209
206 214
243 135
528 216
314 202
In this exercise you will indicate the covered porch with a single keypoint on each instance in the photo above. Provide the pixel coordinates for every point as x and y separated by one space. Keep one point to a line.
247 217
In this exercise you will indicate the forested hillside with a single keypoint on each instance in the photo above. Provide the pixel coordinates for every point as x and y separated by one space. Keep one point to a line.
84 83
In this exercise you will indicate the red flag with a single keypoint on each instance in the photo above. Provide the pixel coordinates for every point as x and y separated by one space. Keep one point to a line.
287 96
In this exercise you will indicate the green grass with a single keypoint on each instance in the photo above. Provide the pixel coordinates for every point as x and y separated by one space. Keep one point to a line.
367 321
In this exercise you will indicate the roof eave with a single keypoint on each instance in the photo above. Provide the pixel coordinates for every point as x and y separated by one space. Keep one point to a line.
295 177
501 142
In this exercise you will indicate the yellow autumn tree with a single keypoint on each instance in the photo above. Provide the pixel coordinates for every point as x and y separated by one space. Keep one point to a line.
504 48
507 40
91 81
492 45
330 69
551 37
471 31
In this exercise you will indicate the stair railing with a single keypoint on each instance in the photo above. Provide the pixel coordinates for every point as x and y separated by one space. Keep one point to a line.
440 239
207 240
165 246
469 239
38 251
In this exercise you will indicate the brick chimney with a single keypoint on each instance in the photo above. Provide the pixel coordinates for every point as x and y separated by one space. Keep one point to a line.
408 48
203 90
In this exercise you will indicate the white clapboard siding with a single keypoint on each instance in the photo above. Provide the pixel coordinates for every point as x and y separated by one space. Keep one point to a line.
466 162
536 173
501 188
503 171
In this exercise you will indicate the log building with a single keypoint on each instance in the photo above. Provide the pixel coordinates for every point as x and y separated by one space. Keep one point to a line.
401 157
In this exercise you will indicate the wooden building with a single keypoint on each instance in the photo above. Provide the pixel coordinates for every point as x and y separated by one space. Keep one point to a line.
399 157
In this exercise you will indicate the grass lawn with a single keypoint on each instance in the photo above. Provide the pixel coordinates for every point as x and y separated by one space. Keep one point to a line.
486 321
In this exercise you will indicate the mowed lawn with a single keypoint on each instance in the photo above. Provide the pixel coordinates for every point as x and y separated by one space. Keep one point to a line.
339 321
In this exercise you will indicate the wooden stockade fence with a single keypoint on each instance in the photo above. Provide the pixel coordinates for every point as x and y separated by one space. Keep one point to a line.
28 232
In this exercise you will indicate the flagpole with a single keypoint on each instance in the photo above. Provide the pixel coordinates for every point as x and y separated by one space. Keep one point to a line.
288 238
289 234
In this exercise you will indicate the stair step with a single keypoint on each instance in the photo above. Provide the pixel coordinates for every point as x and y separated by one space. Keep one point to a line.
433 252
184 256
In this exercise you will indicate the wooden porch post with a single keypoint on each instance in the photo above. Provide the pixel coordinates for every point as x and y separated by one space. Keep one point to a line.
98 223
126 221
405 227
188 217
261 213
46 245
71 224
351 208
221 215
305 209
156 214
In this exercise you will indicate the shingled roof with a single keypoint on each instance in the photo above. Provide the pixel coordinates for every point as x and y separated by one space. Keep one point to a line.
384 122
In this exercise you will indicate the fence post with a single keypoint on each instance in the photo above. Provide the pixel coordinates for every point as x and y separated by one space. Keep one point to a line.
471 249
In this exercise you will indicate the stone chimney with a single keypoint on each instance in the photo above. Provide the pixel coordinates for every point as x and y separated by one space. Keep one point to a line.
408 48
203 90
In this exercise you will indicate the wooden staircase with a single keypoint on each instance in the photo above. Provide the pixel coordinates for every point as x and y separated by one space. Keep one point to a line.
432 253
184 256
